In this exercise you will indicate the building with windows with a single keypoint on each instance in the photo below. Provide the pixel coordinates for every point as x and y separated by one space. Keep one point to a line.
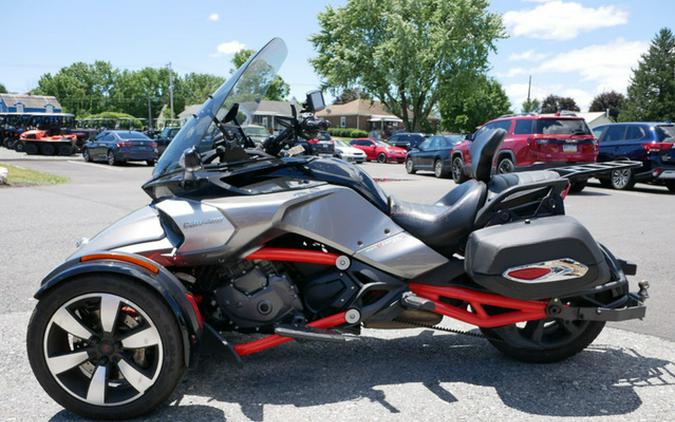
361 114
25 103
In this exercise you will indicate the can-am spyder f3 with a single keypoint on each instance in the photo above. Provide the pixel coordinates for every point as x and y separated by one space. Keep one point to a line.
283 246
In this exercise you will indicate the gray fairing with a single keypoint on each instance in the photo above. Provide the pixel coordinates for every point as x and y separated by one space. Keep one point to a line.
227 229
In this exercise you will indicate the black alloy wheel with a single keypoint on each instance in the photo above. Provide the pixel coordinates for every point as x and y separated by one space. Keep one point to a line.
505 166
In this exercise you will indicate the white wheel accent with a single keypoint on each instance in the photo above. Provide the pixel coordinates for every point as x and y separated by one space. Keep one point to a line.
110 305
145 338
97 386
137 380
59 364
64 319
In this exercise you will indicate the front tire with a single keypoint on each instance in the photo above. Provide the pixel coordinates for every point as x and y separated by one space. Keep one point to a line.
458 170
410 166
622 179
381 158
439 169
150 162
86 155
101 355
111 159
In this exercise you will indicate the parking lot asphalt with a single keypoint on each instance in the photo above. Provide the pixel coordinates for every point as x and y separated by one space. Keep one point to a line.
627 374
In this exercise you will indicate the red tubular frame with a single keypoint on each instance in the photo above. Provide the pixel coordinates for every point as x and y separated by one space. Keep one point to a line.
523 310
293 255
275 339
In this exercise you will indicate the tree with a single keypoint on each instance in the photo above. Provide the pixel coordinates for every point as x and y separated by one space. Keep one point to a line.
3 90
610 100
350 94
80 87
554 104
278 89
483 100
196 87
651 93
406 54
531 106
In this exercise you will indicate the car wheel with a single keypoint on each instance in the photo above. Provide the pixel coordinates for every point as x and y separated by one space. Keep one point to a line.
439 169
47 149
505 166
457 170
671 186
30 148
410 166
105 347
382 158
577 187
622 179
86 155
111 158
150 162
66 150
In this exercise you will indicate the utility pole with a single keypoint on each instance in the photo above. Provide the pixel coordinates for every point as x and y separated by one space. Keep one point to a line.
171 88
149 114
529 87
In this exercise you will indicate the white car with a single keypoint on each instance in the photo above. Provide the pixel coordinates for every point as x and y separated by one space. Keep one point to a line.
348 153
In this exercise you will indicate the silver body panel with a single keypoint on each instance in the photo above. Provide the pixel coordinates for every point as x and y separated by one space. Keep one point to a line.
227 229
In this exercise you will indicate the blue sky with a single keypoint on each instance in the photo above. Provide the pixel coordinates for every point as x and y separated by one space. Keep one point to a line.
575 48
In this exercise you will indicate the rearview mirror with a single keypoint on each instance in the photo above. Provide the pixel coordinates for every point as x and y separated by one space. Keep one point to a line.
191 160
314 101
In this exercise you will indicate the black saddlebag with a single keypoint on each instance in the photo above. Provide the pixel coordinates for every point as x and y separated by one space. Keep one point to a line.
536 259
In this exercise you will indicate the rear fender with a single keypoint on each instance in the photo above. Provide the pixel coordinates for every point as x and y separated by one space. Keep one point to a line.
144 271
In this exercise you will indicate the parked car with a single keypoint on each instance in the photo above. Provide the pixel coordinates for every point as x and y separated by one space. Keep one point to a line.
433 154
652 143
407 140
322 145
164 138
119 146
258 134
347 152
378 150
534 141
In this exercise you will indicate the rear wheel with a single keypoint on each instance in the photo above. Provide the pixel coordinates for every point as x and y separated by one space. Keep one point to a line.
47 149
29 148
98 353
577 187
458 170
410 166
622 179
544 340
671 186
66 149
439 169
505 165
111 158
382 158
86 155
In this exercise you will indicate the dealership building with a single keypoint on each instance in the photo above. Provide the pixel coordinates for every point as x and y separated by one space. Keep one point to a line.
24 103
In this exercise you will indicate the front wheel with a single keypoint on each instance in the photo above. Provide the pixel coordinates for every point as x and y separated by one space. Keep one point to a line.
105 347
544 340
439 169
111 158
410 166
458 170
150 162
382 158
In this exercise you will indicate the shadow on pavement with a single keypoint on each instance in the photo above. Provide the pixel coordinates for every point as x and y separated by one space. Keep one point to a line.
600 381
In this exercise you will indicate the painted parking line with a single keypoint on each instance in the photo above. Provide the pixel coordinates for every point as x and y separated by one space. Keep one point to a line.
99 166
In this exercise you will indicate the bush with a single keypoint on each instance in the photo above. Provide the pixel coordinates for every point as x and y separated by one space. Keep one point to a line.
347 132
124 120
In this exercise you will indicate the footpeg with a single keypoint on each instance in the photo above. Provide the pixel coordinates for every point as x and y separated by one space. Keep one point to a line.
412 301
643 294
306 333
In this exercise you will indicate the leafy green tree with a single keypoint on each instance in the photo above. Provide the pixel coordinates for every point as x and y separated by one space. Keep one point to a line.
610 100
80 87
554 104
3 90
531 106
350 94
651 93
482 100
278 89
133 89
406 54
196 87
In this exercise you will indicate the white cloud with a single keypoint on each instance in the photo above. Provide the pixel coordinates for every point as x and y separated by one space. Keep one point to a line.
608 65
227 48
559 20
214 17
527 56
511 73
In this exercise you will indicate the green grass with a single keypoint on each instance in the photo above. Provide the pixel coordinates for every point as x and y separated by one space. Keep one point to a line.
20 176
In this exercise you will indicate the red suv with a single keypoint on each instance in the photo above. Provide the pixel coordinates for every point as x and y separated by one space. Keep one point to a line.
533 141
378 150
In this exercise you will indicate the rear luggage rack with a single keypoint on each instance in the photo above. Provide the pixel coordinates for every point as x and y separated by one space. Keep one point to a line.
584 171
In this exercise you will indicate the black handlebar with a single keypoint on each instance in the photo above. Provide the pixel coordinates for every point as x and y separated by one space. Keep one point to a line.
307 128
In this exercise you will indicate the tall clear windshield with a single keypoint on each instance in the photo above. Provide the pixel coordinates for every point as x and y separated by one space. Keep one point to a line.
247 86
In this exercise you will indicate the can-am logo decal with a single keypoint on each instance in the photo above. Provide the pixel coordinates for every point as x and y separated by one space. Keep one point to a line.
197 223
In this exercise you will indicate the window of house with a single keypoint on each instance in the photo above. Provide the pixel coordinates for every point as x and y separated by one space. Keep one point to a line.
19 108
264 121
343 121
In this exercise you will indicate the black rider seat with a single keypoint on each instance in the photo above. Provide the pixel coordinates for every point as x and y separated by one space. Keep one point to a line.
501 182
443 225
